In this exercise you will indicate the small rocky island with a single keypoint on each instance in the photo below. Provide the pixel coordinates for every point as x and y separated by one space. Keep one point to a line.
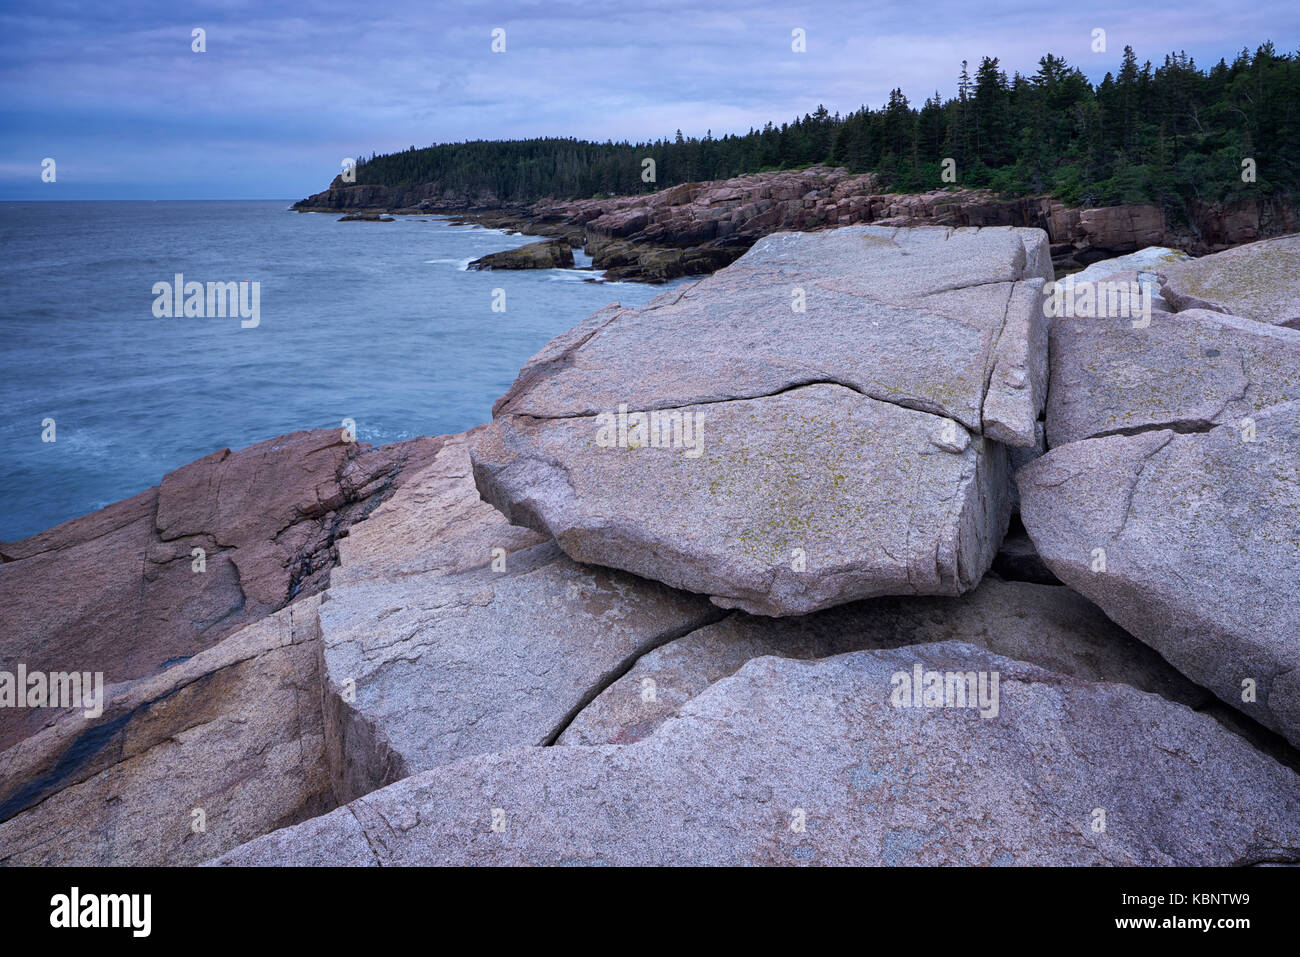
853 552
367 216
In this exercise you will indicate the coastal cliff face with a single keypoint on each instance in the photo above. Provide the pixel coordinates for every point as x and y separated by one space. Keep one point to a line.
645 237
756 595
358 196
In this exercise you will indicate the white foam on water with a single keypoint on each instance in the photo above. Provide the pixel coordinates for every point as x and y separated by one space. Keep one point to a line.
574 275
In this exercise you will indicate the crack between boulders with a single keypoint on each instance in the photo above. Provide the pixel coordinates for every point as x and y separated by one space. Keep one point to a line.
626 665
910 405
1178 426
991 362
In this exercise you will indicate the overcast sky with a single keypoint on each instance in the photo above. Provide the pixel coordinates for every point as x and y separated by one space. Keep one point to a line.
287 88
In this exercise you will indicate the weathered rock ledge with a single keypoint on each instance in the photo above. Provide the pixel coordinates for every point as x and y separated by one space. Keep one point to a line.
218 544
548 254
794 762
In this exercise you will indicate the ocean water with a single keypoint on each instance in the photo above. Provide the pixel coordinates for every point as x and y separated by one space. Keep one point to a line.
375 322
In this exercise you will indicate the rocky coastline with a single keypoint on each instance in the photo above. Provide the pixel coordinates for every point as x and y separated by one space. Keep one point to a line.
696 228
853 552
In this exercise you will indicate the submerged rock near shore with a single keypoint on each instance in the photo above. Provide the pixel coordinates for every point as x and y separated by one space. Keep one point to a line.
365 217
747 614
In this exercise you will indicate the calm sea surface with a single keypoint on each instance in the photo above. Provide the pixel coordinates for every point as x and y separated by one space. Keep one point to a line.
375 322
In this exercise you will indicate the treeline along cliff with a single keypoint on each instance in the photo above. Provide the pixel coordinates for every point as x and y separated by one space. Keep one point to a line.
1172 134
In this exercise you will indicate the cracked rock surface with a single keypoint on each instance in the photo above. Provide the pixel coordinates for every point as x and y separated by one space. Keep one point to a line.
798 762
1191 543
798 502
931 318
456 649
848 450
1046 625
1185 371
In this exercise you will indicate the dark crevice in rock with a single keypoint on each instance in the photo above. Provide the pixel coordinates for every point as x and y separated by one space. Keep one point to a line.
626 665
1017 558
359 755
991 359
77 761
80 760
1180 426
356 508
73 759
913 405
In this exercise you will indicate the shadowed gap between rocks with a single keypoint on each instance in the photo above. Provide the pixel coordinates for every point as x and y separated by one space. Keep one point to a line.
626 665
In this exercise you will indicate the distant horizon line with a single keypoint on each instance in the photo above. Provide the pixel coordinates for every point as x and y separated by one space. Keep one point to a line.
225 199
